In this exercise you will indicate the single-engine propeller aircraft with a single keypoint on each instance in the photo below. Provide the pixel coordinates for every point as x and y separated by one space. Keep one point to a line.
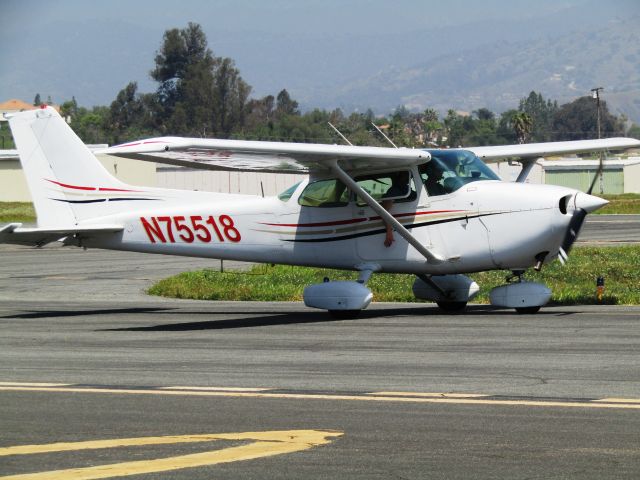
448 213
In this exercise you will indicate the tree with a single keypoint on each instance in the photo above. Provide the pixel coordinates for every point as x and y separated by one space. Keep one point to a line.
484 114
577 120
454 123
37 101
69 109
230 94
183 56
505 130
433 128
91 125
198 94
522 126
541 113
128 113
285 105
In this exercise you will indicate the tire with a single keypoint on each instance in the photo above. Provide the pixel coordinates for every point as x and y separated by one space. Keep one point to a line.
344 314
452 307
527 310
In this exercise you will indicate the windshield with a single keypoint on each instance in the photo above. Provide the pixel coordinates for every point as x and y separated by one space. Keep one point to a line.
448 170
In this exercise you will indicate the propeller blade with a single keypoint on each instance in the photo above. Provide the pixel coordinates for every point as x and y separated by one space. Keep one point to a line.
584 204
573 230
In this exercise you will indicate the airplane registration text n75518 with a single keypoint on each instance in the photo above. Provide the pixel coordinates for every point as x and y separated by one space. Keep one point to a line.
165 229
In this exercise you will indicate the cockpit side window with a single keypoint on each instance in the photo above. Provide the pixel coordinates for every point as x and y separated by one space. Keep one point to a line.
432 177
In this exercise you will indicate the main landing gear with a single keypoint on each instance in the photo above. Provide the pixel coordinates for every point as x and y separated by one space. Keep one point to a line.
525 297
342 298
450 292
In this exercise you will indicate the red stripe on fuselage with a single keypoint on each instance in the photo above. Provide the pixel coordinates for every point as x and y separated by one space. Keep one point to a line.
100 189
74 187
356 220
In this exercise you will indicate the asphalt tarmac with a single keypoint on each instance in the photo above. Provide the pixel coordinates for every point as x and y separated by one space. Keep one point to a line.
99 380
610 230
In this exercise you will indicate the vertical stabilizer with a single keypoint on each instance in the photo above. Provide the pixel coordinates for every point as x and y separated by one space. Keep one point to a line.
61 172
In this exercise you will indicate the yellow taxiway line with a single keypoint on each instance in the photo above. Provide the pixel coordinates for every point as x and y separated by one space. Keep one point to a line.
262 444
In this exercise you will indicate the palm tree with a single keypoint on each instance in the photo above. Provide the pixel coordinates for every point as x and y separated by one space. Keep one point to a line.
522 125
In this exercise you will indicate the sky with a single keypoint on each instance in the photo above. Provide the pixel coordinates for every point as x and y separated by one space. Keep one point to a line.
92 49
302 16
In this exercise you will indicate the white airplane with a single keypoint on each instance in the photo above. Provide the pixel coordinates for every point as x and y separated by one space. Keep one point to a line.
438 214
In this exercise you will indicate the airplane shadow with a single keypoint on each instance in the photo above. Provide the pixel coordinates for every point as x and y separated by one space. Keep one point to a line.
307 317
270 320
80 313
273 319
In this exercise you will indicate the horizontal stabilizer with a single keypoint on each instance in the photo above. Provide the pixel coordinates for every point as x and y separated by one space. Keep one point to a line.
37 237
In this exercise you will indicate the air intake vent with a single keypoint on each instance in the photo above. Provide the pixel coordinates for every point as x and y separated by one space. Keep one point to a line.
562 204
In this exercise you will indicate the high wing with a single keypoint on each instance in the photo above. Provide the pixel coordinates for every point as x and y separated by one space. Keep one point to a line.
276 157
37 237
536 150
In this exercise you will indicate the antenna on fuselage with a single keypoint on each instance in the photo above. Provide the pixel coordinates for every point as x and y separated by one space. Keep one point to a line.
382 133
341 135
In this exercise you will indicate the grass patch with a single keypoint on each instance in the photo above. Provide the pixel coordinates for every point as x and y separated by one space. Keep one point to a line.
627 203
572 284
17 212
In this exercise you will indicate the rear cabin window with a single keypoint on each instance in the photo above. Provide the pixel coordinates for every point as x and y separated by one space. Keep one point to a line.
286 195
325 194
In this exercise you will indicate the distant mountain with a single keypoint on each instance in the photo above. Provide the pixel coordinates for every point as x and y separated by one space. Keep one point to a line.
499 75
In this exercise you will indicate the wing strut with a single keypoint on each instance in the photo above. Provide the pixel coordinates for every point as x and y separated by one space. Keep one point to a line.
386 216
527 166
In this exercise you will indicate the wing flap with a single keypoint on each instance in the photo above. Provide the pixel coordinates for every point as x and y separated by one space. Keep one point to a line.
276 157
15 234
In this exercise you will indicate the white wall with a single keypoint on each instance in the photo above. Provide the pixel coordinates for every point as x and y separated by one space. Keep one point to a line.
13 184
509 173
225 182
632 177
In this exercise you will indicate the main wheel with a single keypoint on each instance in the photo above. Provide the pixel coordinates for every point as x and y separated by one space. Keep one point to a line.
344 314
452 307
527 310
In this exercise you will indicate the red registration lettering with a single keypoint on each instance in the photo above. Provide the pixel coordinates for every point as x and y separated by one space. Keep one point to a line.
199 228
153 230
187 234
167 221
223 227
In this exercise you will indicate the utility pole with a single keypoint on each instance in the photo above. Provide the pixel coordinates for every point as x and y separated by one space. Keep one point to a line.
596 94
